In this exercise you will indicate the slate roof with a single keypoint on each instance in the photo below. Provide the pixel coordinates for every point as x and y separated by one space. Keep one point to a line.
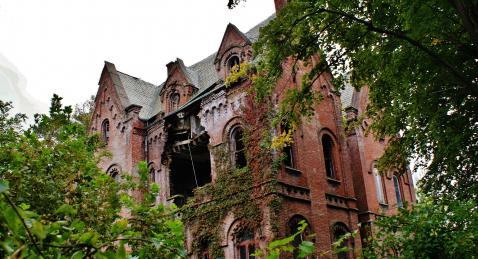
202 75
140 93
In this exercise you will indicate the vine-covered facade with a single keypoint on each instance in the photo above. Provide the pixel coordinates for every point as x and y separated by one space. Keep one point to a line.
208 148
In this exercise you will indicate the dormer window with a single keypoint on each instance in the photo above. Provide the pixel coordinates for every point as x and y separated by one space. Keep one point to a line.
105 130
173 101
232 62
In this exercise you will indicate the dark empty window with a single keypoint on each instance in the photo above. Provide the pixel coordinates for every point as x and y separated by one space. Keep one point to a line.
238 148
232 62
398 194
114 172
293 227
105 130
328 146
173 102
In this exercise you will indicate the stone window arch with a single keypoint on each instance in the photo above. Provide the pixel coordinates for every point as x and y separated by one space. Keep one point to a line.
105 130
236 139
174 101
115 172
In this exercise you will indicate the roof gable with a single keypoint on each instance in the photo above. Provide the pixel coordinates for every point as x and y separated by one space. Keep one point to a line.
233 37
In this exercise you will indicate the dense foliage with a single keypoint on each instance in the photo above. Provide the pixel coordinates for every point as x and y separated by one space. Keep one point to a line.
56 202
419 59
430 230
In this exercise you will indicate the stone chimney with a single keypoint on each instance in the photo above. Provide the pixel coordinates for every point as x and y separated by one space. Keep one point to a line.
279 4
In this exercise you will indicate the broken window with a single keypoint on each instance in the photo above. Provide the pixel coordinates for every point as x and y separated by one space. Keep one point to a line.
190 167
238 148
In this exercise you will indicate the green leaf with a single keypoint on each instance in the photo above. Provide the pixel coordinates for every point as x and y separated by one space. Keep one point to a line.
38 230
66 210
306 248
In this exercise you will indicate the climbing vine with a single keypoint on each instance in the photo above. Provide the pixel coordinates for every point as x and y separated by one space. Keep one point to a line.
242 192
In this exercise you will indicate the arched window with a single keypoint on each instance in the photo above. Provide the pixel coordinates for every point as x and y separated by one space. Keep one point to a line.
152 175
233 61
378 186
339 230
238 148
245 245
293 227
327 146
398 193
115 172
105 130
174 101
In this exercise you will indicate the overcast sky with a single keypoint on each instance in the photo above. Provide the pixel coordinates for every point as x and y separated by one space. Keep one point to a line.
59 46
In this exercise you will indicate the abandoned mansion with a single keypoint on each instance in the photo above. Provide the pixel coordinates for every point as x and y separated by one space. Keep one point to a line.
204 144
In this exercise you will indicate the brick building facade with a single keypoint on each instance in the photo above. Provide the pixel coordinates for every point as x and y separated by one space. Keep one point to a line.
328 177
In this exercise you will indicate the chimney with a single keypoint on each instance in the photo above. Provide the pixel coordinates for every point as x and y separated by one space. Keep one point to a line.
279 4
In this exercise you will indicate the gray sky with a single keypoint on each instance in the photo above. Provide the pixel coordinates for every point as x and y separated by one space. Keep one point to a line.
59 46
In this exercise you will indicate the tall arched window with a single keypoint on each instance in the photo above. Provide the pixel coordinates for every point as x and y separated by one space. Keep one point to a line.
174 101
328 149
233 61
398 193
378 186
238 148
105 130
245 245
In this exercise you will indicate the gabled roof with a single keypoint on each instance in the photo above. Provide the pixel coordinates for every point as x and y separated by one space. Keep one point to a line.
134 91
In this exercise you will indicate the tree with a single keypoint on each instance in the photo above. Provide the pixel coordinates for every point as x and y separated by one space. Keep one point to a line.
419 60
430 230
83 111
56 202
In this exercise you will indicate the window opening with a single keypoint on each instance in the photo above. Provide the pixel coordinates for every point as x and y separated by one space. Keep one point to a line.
238 148
327 146
114 172
232 63
190 168
152 175
173 102
293 227
245 245
105 128
339 231
288 151
398 195
378 186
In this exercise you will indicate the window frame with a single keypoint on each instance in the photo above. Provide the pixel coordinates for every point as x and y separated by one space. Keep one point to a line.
237 155
398 191
379 186
328 152
105 130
